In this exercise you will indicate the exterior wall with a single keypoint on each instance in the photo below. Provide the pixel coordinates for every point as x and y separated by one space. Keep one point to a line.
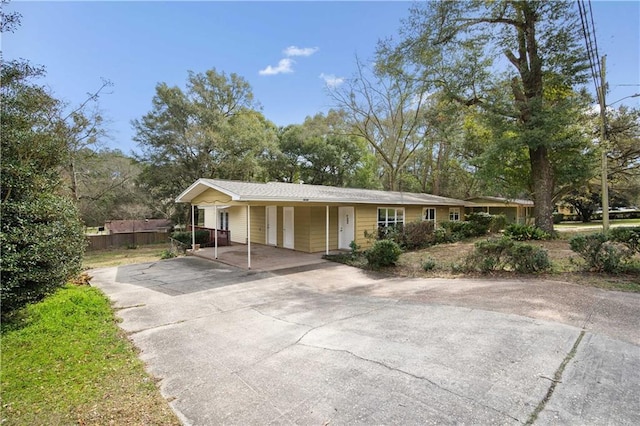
238 224
209 217
318 231
413 213
258 224
366 221
301 225
442 214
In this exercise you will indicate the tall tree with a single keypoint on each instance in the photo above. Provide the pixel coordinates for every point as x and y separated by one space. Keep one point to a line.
477 51
386 109
209 130
323 151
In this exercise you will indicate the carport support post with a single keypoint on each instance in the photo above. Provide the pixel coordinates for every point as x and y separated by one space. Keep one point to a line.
248 237
193 228
215 238
326 237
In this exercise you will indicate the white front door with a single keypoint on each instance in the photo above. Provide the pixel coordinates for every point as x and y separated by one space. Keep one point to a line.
287 227
272 225
346 227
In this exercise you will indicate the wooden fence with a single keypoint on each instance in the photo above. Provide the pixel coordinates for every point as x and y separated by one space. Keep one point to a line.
101 242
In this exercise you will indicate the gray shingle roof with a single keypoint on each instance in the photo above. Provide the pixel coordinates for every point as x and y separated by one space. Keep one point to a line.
279 191
480 200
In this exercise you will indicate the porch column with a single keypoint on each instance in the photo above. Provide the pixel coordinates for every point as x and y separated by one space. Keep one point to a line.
193 227
327 233
248 237
215 238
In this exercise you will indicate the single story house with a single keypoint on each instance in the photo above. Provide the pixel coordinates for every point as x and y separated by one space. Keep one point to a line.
309 218
516 211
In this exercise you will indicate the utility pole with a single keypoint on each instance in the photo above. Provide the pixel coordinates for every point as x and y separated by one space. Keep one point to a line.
604 145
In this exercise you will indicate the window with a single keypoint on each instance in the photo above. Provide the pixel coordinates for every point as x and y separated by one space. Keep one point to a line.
199 217
454 214
429 213
223 221
390 217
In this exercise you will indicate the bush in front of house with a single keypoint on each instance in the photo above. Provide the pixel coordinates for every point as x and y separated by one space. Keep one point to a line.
505 254
521 232
202 237
416 235
498 222
630 237
383 253
600 253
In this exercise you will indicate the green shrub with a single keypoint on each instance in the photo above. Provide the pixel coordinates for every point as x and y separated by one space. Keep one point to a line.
498 222
527 259
600 254
202 237
42 244
383 253
480 223
520 232
457 230
507 255
627 236
167 254
428 264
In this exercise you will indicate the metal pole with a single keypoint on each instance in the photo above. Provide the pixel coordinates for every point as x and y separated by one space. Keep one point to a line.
215 213
193 228
326 237
248 237
604 146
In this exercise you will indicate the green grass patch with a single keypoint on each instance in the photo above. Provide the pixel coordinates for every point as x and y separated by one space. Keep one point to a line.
65 361
123 256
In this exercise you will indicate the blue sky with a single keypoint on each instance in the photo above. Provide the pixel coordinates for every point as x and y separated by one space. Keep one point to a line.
287 51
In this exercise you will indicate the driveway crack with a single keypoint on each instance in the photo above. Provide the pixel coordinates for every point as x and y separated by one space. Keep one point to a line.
556 379
417 377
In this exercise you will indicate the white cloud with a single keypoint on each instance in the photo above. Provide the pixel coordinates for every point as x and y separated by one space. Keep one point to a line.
299 51
331 80
284 66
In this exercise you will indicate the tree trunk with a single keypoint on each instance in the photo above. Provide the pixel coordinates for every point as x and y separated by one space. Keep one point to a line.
542 179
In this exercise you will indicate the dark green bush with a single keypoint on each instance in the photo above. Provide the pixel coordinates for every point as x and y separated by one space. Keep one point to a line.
383 253
42 243
202 237
480 223
627 236
456 230
520 232
507 255
557 218
498 222
599 253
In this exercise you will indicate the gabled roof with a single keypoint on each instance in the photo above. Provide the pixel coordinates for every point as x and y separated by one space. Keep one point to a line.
290 192
500 200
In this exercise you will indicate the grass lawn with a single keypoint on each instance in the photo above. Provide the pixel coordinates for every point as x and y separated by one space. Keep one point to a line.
594 224
123 256
65 361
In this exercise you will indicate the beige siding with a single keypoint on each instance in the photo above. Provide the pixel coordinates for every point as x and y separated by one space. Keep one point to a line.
412 214
238 224
442 214
211 196
366 221
301 224
318 229
258 224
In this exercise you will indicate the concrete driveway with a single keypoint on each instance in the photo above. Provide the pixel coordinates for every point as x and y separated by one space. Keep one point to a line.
328 345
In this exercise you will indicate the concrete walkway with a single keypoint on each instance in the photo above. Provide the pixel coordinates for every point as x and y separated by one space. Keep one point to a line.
336 345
